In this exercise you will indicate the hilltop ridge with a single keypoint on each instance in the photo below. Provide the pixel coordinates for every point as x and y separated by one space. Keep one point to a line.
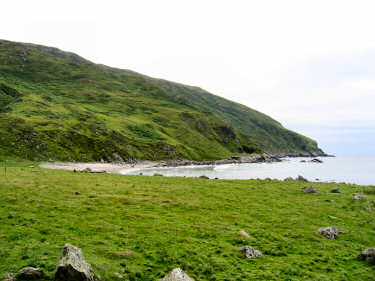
57 105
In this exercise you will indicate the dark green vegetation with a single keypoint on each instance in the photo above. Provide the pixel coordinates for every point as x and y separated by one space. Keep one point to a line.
57 105
142 227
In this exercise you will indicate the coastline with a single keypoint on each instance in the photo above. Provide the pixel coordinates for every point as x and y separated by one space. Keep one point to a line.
116 168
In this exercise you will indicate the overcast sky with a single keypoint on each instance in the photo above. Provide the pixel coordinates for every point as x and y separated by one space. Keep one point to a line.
308 64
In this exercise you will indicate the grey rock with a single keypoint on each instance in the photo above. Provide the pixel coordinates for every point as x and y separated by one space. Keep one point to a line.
243 233
204 177
368 255
72 266
30 273
301 178
9 277
310 189
87 170
330 201
250 253
177 274
331 232
316 160
336 190
357 196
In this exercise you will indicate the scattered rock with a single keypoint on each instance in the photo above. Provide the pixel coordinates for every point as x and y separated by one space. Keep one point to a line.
310 189
9 277
244 234
336 190
357 196
331 232
368 255
204 177
30 273
72 266
118 275
300 178
177 274
87 170
289 179
32 167
158 175
249 252
316 160
303 161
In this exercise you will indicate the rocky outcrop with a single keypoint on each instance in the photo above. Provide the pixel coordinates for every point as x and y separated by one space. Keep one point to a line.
9 277
368 255
30 273
177 274
310 189
331 232
72 266
336 190
316 160
250 253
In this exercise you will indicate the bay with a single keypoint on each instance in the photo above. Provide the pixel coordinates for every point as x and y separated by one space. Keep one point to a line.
357 169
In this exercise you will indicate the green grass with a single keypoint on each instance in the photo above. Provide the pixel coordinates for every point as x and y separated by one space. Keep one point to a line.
142 227
57 105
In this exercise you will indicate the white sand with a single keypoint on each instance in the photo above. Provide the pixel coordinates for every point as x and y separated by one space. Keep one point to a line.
99 167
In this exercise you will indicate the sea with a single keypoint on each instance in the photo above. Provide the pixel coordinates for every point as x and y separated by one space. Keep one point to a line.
355 169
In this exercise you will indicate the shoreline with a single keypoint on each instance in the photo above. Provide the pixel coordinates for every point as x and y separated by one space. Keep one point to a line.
117 168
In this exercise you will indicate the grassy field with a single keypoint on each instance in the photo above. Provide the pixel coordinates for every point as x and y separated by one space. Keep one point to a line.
142 227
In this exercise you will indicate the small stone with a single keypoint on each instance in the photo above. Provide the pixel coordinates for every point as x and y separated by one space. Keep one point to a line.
118 275
330 201
77 193
87 170
357 196
32 167
244 234
9 277
30 273
331 232
177 274
310 189
250 253
368 255
336 190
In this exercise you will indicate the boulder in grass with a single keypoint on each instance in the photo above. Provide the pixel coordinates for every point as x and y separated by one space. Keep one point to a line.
357 196
368 255
243 233
30 273
177 274
310 189
301 178
331 232
72 266
250 253
336 190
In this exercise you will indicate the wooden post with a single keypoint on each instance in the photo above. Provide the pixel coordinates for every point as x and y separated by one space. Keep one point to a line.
5 165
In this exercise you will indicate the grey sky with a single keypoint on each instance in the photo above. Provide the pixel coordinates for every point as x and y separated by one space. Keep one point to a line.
308 64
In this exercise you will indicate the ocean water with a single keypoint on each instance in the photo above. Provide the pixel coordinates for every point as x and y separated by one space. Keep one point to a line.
358 169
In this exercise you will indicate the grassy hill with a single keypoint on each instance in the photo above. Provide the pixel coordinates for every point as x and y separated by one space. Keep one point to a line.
142 227
57 105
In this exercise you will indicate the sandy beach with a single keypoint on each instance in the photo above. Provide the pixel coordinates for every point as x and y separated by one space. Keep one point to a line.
99 167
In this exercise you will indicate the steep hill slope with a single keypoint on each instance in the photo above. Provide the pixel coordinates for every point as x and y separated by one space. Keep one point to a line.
57 105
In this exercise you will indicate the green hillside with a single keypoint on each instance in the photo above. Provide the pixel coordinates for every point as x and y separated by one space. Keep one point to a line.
57 105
